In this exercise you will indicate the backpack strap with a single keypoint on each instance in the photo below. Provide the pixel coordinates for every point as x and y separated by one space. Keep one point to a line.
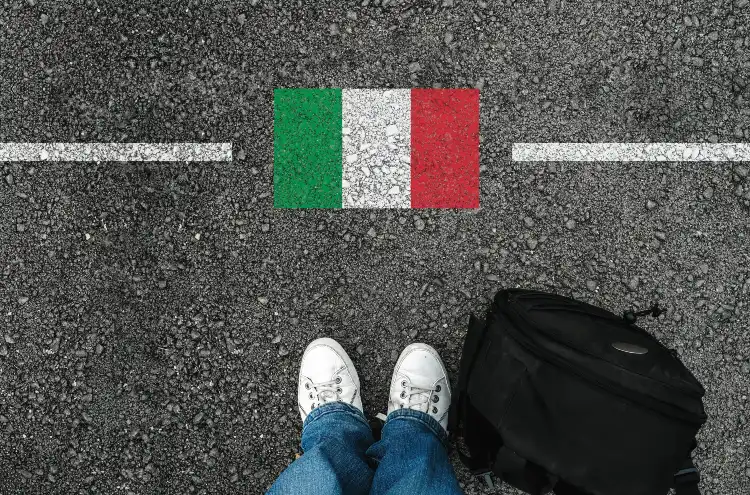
479 464
474 337
512 469
686 479
685 482
522 474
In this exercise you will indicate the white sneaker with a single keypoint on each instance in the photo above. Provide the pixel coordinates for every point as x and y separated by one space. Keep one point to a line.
326 374
420 382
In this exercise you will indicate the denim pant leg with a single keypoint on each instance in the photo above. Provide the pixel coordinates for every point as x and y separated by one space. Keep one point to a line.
412 457
335 438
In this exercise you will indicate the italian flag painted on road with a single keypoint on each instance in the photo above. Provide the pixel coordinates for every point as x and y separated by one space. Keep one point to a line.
376 148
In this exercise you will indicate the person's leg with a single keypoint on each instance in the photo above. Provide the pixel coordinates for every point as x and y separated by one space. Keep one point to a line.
335 433
334 440
412 454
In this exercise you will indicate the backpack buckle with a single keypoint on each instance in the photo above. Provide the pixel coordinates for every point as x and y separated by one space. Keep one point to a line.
487 475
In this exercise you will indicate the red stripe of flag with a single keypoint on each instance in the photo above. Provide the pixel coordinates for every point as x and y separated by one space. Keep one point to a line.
444 148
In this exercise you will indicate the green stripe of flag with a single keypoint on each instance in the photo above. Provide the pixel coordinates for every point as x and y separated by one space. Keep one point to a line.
307 148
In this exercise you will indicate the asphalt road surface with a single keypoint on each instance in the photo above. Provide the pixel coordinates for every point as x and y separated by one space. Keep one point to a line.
153 315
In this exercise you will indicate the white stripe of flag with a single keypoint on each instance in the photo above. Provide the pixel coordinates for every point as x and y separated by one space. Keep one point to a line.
630 152
116 152
376 148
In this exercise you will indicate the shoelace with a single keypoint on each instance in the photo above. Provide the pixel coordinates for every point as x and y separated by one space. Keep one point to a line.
424 395
326 391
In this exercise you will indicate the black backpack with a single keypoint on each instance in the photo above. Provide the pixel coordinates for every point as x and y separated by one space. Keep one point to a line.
558 395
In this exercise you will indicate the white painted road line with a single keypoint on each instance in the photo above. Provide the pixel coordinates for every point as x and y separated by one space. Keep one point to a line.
115 152
631 152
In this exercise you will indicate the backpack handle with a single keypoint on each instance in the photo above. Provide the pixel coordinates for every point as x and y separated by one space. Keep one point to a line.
474 337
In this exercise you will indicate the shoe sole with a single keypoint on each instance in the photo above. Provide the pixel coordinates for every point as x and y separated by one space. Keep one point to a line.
422 347
328 342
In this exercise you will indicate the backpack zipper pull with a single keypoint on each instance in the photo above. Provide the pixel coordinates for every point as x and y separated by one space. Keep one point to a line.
654 311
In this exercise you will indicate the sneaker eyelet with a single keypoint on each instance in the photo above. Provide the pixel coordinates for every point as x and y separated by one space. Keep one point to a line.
307 385
403 395
434 410
338 390
311 395
435 398
401 406
437 388
403 383
338 379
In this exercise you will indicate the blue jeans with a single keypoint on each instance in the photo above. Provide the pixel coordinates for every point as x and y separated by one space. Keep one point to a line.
341 458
